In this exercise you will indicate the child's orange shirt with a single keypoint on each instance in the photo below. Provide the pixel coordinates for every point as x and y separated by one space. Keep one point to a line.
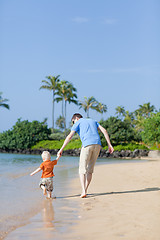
47 168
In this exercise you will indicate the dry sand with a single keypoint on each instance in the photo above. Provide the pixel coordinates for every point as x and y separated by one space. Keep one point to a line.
123 202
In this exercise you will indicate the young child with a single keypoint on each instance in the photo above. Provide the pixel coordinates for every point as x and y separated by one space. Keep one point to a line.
46 182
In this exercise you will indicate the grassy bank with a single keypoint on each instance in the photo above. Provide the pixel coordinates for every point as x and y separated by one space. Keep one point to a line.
57 144
76 143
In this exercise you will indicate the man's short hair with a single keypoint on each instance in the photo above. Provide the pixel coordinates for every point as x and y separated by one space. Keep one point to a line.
76 115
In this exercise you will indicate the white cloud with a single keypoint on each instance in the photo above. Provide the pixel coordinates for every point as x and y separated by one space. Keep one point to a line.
109 21
80 19
140 70
125 70
95 70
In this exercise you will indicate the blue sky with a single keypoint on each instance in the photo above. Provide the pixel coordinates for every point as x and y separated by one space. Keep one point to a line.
107 49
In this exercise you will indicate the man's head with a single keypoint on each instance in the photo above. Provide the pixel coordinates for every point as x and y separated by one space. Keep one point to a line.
76 117
46 156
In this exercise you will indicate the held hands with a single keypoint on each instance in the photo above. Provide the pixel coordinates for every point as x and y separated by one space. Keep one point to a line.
59 154
58 157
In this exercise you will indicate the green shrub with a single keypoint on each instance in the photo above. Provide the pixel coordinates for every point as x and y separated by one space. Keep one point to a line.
119 131
130 147
151 133
54 144
24 135
155 147
57 136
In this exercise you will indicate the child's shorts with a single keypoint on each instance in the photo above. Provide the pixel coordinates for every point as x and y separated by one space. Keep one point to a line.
47 183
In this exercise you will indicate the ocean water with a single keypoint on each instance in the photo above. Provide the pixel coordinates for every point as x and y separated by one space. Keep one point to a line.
22 199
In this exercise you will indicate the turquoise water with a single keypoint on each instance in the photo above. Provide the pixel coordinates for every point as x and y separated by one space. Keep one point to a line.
21 197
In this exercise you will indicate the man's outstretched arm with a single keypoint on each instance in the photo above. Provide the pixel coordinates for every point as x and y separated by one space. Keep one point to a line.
105 133
66 141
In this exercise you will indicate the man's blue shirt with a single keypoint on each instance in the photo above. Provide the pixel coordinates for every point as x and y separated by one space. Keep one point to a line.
88 131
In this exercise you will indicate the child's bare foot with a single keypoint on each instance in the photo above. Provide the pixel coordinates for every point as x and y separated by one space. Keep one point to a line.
48 198
44 191
49 195
54 197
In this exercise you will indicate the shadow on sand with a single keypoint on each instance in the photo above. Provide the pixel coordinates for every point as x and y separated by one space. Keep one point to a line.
154 189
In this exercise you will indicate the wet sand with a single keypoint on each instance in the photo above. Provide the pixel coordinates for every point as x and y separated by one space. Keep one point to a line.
123 202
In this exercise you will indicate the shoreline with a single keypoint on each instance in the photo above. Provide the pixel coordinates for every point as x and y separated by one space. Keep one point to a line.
137 153
123 202
22 199
52 216
56 217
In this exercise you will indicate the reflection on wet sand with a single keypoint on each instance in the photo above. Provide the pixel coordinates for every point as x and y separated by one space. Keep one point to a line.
48 213
41 226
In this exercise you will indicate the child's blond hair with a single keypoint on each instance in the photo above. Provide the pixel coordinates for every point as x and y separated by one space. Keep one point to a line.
46 155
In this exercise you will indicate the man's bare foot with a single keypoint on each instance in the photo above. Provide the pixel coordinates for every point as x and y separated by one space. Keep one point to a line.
83 195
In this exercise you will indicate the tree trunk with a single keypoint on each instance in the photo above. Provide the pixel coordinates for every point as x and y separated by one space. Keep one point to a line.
53 113
62 107
65 106
87 113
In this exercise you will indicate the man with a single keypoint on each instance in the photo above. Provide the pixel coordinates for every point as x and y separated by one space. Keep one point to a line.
91 145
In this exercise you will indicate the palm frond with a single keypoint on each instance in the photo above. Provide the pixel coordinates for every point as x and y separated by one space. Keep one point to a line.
46 87
5 105
58 99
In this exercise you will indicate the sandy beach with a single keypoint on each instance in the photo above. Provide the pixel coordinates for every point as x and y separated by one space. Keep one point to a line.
123 202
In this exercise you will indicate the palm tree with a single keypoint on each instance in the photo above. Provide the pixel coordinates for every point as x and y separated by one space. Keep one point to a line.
60 122
52 85
62 88
101 108
141 113
67 93
88 103
2 102
120 111
146 109
129 116
138 121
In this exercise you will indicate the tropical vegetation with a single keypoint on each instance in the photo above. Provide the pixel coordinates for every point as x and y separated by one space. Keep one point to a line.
24 134
57 144
92 103
3 102
52 85
139 129
66 92
151 130
119 131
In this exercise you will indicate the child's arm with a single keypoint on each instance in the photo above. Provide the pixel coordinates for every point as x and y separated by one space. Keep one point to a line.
37 170
58 158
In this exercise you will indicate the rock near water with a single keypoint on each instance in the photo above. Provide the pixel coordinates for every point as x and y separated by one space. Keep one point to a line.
76 152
